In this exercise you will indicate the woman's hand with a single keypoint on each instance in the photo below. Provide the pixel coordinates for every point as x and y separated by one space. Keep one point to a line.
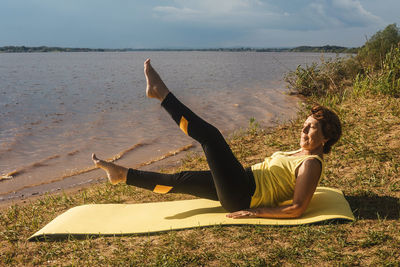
242 214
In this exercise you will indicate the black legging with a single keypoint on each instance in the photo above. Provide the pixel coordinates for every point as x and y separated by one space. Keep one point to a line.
227 180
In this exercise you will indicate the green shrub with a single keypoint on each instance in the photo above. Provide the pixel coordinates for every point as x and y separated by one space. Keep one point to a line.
330 77
375 69
385 81
373 53
390 78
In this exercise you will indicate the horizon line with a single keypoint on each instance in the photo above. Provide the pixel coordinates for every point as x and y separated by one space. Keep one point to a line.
178 48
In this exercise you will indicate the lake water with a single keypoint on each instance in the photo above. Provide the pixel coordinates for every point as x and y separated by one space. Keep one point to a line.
58 108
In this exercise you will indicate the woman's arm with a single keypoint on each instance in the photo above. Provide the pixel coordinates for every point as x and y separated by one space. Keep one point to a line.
306 183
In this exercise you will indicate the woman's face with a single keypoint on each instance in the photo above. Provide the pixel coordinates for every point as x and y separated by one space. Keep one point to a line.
311 135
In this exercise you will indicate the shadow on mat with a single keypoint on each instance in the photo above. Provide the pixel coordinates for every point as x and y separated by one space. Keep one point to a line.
375 207
194 212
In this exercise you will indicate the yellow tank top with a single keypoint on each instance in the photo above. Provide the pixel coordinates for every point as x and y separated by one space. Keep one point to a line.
275 178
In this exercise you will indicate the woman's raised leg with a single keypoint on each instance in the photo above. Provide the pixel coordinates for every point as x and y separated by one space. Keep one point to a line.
234 185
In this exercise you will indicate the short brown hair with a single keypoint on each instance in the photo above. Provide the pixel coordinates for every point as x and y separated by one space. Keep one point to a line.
330 124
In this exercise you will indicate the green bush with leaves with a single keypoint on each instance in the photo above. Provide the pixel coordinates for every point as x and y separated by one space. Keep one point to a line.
373 53
330 77
375 69
385 81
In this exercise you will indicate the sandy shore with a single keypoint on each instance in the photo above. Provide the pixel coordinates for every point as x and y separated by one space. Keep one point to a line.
71 185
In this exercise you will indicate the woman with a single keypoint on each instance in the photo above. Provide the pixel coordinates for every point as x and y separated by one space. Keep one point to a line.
250 192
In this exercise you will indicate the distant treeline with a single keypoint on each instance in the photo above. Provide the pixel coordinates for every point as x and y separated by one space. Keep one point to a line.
27 49
326 49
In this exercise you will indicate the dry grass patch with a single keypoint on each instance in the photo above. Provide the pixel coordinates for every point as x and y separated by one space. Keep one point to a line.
363 164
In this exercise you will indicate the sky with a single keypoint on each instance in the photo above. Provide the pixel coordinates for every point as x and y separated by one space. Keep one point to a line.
193 23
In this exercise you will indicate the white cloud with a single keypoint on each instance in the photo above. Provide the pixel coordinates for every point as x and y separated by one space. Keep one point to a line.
219 13
177 13
219 7
351 11
269 14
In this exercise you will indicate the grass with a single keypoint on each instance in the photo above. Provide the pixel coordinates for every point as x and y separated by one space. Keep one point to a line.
365 164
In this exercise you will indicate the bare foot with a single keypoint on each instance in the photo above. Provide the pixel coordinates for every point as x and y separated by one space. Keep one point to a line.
155 86
116 174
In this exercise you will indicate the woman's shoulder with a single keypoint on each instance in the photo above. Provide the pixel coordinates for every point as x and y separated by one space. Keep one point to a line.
313 160
312 167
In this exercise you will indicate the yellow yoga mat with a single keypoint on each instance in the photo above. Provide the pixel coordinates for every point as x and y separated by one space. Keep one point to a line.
125 219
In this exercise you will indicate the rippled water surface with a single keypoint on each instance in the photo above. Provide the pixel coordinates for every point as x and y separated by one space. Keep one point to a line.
57 108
